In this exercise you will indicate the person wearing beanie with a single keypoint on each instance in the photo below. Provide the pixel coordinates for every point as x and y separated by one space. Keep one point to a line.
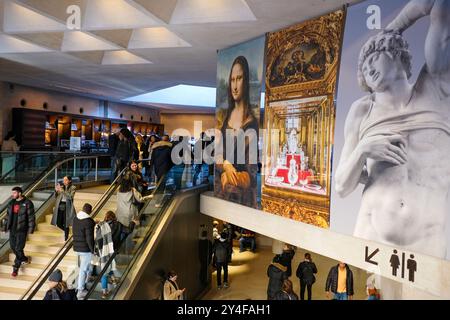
58 288
220 252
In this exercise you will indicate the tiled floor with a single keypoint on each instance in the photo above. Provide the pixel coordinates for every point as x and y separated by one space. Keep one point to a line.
248 276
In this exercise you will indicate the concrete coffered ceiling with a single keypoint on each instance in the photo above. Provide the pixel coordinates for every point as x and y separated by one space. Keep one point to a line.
130 47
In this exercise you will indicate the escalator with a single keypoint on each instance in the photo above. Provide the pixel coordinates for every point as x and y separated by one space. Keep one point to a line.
136 250
47 239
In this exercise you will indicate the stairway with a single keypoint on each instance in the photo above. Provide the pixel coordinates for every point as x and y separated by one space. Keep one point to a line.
43 244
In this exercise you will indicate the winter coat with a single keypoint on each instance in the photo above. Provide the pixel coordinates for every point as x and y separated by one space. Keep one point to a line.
171 291
70 209
332 280
286 260
113 142
83 233
127 209
161 158
55 294
123 151
221 250
282 295
26 219
305 272
277 274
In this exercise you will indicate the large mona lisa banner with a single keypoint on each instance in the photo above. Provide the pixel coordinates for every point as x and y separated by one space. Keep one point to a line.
302 63
239 80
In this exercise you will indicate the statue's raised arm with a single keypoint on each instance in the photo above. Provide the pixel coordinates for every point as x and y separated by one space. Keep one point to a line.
437 44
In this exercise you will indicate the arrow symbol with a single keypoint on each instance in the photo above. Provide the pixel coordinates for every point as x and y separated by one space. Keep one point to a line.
368 257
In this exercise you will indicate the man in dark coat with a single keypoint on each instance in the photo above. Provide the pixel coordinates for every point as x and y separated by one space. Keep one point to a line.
305 272
340 282
277 274
220 252
83 245
113 142
162 157
123 153
21 222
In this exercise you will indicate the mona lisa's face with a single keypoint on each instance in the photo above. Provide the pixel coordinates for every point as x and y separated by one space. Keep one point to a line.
237 82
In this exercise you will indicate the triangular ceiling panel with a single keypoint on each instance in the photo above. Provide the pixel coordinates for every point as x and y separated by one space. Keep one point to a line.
121 37
94 57
115 14
54 8
122 57
158 37
9 44
161 9
52 40
19 19
207 11
80 41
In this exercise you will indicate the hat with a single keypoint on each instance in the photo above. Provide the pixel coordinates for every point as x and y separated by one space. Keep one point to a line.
56 276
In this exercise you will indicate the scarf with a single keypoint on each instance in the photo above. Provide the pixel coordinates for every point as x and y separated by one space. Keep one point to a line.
105 235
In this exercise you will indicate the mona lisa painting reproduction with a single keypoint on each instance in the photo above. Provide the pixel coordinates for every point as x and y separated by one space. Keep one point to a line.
239 79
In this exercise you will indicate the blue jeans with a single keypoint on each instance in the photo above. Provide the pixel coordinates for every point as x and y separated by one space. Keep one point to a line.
105 279
340 296
84 261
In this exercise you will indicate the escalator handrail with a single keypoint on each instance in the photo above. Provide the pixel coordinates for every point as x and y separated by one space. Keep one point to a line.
141 247
34 186
62 252
109 262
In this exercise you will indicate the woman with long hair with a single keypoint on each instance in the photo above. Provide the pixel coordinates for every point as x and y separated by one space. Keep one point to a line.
64 210
237 181
286 292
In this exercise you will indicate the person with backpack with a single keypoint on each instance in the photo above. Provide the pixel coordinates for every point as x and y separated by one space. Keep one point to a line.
83 245
58 288
21 222
305 272
221 254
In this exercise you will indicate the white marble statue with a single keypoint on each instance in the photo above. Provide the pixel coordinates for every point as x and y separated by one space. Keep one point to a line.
397 138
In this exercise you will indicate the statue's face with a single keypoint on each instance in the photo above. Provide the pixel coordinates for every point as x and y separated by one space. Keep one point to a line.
380 70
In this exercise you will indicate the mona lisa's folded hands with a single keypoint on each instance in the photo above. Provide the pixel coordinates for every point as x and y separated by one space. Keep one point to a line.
242 180
230 172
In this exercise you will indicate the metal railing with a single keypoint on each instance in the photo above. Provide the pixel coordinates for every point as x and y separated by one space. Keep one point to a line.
63 251
39 183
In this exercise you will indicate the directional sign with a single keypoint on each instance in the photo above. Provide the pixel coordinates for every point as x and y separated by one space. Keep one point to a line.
370 256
